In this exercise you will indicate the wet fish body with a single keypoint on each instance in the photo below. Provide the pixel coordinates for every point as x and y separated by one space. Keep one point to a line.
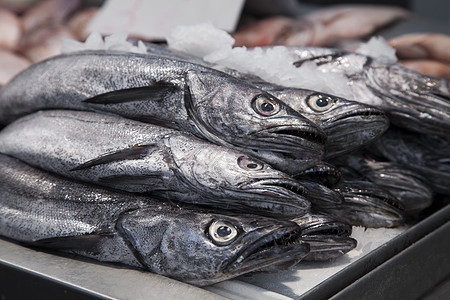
178 94
40 209
139 157
410 100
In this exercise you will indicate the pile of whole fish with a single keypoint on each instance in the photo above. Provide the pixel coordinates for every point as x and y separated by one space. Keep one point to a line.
162 162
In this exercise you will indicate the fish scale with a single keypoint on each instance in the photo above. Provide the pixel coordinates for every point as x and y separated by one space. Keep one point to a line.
144 158
130 229
205 102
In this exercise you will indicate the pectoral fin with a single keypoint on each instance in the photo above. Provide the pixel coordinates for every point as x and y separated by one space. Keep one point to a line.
156 91
134 152
87 242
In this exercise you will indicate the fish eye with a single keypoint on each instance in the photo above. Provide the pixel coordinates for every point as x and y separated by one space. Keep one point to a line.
266 106
249 164
222 233
319 102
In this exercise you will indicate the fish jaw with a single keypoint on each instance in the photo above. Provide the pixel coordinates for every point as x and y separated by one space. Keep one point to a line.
283 246
327 247
304 142
289 196
407 186
354 129
366 204
328 238
411 100
321 172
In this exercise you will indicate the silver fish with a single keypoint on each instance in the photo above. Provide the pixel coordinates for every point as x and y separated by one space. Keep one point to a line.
426 154
174 93
139 157
366 204
407 186
327 237
410 100
349 125
191 245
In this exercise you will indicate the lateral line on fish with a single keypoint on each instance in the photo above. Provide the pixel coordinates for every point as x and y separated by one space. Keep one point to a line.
134 152
157 91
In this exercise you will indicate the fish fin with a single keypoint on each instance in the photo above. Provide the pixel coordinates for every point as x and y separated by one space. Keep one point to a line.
159 90
134 152
147 179
87 242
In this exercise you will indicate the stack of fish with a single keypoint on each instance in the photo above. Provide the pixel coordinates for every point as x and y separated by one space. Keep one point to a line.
161 162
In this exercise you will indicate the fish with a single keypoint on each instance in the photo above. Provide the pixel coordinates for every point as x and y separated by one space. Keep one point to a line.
336 116
426 154
139 157
324 173
366 204
410 100
44 211
173 93
349 125
407 186
327 238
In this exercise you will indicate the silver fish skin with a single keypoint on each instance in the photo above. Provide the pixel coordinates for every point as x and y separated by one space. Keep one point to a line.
411 100
425 154
138 157
406 185
178 94
327 237
366 204
349 125
192 245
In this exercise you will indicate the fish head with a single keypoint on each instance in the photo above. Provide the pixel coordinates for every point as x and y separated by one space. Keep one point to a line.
321 172
412 100
328 238
203 248
426 154
408 186
230 111
237 180
367 204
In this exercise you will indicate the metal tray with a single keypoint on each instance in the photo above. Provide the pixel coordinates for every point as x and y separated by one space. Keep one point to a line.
407 266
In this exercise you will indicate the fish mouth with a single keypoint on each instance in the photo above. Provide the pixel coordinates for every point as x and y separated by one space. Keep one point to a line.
281 245
327 247
323 173
294 138
368 205
361 114
322 225
286 188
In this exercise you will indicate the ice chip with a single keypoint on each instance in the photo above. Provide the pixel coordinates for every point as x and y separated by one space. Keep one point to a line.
199 40
379 49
